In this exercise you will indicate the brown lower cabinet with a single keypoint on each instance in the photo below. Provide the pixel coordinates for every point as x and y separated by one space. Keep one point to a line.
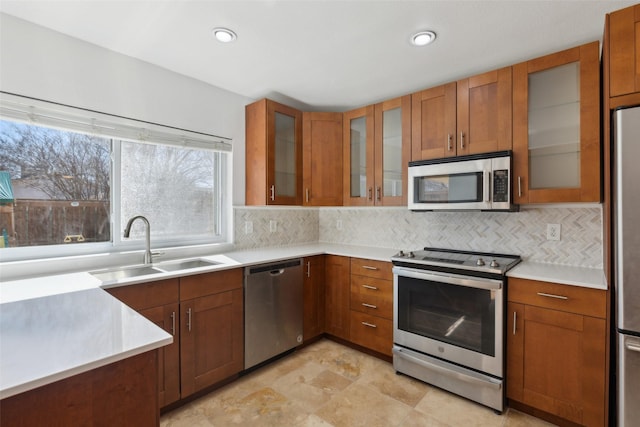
556 351
211 328
337 306
314 297
122 393
204 313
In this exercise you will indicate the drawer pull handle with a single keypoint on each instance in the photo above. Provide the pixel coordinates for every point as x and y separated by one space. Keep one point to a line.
368 267
370 287
369 305
542 294
371 325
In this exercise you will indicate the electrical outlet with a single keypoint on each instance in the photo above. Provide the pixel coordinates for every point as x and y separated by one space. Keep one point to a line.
248 227
273 226
339 224
553 231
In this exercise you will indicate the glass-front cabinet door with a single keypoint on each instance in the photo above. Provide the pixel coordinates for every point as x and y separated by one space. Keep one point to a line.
284 155
556 127
358 155
392 150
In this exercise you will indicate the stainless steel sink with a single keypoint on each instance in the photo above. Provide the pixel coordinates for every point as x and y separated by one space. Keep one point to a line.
124 272
185 265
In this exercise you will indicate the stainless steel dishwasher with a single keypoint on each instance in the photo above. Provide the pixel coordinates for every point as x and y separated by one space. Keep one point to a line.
272 310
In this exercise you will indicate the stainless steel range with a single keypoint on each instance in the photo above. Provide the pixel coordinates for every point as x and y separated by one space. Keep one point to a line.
448 320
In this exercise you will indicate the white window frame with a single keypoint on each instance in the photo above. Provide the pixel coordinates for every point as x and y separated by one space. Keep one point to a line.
63 117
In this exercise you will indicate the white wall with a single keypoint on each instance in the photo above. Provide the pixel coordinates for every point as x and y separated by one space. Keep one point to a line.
44 64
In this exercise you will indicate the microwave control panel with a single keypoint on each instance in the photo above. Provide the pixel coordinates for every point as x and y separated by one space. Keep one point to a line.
501 185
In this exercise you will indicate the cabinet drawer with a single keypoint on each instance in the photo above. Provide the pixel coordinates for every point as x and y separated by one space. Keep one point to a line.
147 295
372 332
373 296
572 299
371 268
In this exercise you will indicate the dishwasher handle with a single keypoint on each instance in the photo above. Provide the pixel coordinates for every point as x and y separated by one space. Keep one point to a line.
274 273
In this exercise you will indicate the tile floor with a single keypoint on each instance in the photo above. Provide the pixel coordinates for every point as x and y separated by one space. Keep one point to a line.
327 384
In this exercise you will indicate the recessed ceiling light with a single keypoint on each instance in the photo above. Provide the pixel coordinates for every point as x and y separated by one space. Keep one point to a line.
423 38
223 35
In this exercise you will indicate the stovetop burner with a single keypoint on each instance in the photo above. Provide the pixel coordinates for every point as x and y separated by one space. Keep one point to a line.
484 262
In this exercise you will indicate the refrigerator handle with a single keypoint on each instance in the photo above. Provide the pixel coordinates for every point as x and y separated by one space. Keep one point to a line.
632 346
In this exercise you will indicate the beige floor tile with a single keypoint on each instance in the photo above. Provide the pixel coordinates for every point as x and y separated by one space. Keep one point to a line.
330 385
456 411
400 387
358 405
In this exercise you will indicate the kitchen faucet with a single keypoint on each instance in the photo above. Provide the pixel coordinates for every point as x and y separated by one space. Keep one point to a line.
147 255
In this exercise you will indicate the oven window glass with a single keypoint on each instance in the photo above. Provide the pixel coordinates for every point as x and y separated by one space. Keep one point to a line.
451 188
457 315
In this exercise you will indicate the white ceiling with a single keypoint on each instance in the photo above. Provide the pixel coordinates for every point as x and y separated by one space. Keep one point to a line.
325 55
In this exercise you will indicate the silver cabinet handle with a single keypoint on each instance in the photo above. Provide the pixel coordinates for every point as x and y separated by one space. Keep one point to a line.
370 287
519 186
173 323
462 140
368 305
273 193
307 194
448 142
368 267
371 325
378 193
515 319
542 294
308 268
189 319
370 193
632 346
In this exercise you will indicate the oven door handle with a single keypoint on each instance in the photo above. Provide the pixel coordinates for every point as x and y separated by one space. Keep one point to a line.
450 371
452 279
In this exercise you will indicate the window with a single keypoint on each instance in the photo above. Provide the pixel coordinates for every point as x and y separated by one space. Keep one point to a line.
77 177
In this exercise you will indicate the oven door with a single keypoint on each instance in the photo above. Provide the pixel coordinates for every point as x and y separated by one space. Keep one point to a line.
452 317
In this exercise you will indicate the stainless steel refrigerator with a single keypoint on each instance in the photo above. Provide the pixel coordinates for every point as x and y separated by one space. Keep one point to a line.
626 251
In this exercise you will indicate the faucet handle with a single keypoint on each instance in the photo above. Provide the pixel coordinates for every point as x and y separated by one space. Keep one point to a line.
157 253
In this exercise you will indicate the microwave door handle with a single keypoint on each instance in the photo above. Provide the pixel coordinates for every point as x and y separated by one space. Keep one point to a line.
487 186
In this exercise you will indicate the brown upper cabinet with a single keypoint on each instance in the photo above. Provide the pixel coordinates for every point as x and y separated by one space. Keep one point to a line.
273 154
322 159
624 51
376 151
556 127
470 116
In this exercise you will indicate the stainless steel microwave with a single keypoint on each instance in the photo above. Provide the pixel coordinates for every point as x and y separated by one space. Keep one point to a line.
475 182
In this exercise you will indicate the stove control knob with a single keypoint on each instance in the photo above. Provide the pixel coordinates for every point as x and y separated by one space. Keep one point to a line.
494 263
480 262
410 255
400 254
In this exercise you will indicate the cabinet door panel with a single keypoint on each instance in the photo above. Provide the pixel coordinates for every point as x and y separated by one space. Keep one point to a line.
556 362
314 297
624 40
166 317
211 339
433 123
322 159
358 156
484 113
338 294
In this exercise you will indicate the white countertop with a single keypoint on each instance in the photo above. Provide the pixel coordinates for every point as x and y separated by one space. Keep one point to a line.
566 275
57 326
56 336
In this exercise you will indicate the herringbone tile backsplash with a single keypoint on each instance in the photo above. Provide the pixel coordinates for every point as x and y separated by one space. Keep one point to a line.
522 233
